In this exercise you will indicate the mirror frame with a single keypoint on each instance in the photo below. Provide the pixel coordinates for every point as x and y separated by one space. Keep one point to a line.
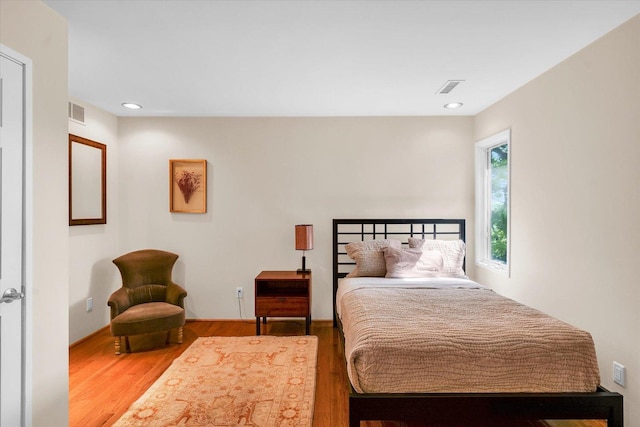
74 139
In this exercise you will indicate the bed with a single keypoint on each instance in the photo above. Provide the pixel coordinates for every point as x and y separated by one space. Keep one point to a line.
372 313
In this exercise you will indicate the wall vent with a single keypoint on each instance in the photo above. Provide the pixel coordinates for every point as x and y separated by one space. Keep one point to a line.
76 113
449 86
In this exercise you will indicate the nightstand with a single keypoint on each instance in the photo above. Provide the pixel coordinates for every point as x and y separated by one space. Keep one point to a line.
283 294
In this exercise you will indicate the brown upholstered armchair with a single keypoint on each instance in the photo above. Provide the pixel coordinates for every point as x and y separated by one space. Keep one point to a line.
148 301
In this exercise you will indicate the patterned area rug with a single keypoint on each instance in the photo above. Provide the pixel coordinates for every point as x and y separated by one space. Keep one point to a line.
261 381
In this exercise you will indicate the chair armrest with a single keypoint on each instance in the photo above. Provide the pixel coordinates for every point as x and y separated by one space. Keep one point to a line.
176 294
119 302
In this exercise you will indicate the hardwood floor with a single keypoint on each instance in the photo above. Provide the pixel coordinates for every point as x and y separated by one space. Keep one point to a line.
103 385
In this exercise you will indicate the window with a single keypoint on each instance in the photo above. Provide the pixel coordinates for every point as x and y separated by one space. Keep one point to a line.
492 202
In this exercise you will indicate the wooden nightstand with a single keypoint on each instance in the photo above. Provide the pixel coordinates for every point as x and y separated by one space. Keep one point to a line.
283 294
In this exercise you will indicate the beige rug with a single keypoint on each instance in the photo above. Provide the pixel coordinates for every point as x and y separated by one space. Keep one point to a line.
261 381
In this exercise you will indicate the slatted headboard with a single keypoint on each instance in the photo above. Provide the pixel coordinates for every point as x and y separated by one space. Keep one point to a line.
346 231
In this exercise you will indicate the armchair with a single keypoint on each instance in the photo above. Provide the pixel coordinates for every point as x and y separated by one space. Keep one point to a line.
149 301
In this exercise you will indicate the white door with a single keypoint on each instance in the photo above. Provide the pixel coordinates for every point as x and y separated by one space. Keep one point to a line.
11 242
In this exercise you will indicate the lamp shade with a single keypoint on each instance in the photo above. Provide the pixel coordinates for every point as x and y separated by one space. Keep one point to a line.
304 237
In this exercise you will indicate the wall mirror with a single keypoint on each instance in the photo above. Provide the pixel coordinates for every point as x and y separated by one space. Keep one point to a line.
87 181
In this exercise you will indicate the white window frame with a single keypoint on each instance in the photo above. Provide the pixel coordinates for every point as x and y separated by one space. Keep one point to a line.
483 193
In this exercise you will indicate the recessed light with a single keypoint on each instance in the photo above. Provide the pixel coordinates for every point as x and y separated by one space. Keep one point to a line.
453 105
131 105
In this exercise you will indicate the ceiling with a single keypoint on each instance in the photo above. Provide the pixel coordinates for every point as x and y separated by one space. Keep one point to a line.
319 57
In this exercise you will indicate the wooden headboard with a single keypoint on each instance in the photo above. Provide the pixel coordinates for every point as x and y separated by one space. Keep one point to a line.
346 231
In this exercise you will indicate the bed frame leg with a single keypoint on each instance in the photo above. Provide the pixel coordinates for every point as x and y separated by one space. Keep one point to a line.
616 419
355 410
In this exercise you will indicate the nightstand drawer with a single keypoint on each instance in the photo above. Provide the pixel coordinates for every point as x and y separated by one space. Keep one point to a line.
282 306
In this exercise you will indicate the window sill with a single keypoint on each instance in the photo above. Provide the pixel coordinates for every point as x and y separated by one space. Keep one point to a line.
496 267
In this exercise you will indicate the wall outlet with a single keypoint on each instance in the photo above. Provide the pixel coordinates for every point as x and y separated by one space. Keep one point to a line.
239 292
619 372
89 304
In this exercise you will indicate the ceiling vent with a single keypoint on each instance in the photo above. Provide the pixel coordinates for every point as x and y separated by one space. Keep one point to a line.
76 113
449 86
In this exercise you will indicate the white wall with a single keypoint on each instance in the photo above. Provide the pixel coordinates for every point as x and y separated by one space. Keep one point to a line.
575 190
267 174
35 31
92 247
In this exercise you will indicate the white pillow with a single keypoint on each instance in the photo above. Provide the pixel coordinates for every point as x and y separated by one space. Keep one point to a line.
369 257
412 262
453 252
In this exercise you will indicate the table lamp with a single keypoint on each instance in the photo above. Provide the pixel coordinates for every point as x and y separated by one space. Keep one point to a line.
304 242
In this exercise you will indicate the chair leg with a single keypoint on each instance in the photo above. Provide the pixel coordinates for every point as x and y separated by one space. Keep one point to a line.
118 341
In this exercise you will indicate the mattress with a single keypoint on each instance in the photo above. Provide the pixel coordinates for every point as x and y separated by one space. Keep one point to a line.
455 335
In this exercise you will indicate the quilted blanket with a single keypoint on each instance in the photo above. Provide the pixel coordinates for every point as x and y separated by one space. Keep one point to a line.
458 337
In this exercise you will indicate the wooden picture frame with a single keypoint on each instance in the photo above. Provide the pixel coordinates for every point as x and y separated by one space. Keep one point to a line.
87 181
188 185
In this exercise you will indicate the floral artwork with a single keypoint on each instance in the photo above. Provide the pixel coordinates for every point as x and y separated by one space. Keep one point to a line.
188 182
188 186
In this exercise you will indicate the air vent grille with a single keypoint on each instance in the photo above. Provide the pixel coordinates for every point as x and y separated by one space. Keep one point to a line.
76 112
449 86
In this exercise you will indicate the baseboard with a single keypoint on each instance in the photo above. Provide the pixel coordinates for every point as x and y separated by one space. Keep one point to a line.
99 331
253 320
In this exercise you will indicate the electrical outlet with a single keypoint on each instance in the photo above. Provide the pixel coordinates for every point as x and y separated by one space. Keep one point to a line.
619 374
239 292
89 304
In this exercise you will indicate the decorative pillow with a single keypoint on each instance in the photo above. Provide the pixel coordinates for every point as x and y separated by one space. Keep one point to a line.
431 261
453 252
412 262
369 257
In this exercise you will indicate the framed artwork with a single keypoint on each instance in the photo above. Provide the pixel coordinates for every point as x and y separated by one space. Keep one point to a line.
87 181
188 185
